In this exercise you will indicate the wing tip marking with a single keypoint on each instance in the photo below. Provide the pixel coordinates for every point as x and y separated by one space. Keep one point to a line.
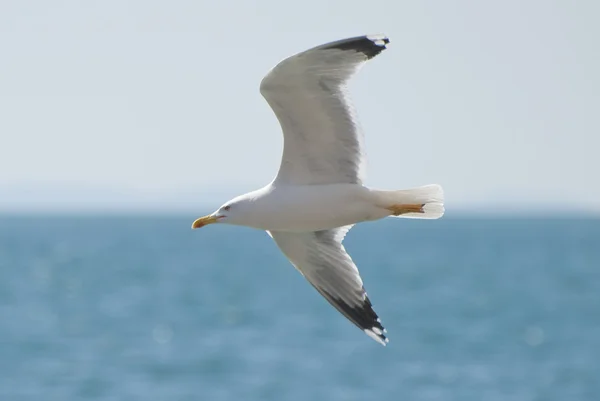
369 45
379 337
361 315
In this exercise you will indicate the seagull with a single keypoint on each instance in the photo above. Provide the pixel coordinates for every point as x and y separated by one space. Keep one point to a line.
318 193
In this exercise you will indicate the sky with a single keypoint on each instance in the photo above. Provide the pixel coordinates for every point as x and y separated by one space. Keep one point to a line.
153 104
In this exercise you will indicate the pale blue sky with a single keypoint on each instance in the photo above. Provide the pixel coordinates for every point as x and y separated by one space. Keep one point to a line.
157 102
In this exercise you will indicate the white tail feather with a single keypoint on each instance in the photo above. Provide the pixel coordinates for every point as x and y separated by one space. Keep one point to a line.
431 196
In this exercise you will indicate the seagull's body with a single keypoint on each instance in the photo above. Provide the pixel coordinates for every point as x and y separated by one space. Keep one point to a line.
318 193
307 207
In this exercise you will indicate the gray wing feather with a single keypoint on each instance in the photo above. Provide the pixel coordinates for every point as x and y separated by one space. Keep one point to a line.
322 260
323 143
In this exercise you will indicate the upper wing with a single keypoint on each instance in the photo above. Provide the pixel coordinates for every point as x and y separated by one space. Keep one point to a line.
322 139
322 259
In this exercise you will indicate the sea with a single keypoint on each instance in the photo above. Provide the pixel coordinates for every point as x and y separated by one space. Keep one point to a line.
143 308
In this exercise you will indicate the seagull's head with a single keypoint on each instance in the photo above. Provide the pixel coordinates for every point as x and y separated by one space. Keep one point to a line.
222 215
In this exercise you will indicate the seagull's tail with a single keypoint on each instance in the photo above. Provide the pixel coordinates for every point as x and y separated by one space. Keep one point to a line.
425 202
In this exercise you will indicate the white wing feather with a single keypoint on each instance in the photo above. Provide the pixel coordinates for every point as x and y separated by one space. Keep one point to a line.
322 139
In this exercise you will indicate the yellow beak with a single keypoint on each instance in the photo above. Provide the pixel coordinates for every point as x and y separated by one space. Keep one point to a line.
202 221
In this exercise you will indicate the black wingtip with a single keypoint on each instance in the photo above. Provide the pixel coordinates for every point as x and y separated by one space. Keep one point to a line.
369 45
362 316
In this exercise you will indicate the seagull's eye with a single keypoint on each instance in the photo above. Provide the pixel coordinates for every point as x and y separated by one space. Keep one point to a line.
226 208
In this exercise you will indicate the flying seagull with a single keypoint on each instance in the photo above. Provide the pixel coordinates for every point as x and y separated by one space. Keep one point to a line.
318 193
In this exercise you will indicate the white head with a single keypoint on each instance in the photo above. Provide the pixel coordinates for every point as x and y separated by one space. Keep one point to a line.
225 214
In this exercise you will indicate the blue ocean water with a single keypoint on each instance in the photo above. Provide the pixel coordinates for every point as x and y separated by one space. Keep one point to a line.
139 308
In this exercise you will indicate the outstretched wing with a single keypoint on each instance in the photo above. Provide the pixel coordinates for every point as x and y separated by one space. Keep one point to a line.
322 259
323 142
